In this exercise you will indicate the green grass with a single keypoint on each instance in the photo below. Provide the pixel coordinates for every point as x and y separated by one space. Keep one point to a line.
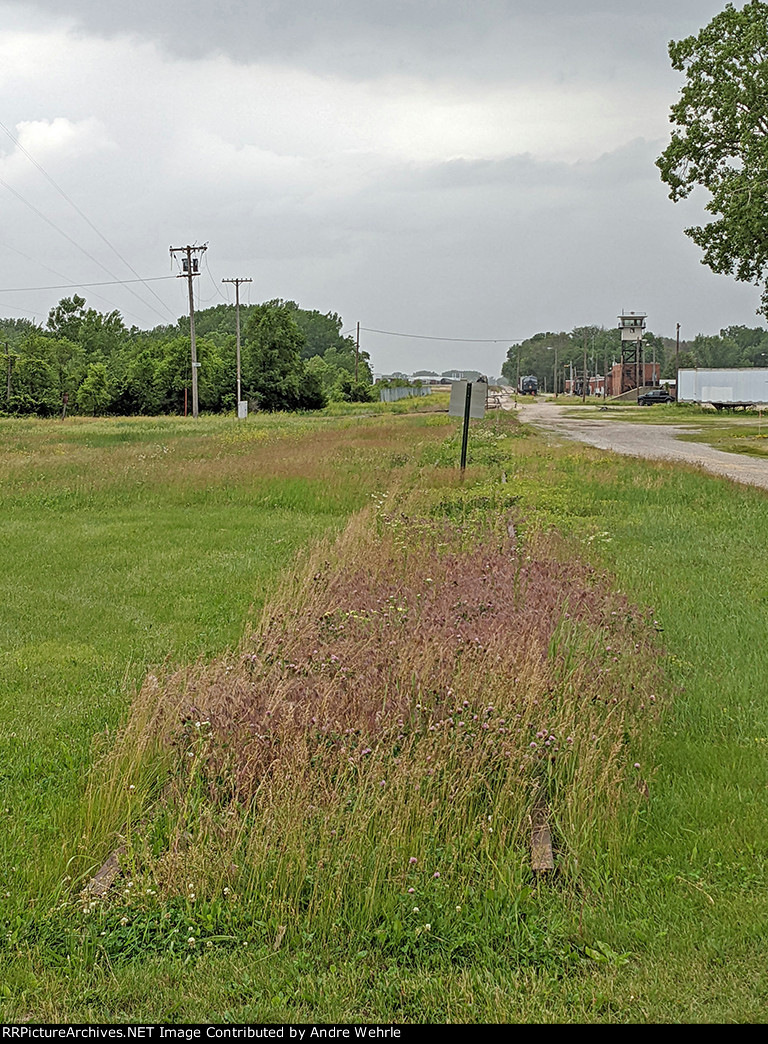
675 929
132 543
690 903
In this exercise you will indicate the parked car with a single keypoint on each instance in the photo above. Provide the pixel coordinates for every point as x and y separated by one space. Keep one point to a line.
654 395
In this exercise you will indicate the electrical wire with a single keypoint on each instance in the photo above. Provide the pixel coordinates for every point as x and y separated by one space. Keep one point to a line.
432 337
26 311
69 239
75 286
216 287
88 221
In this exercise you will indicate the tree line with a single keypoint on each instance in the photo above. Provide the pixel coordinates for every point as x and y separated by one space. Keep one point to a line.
733 347
291 359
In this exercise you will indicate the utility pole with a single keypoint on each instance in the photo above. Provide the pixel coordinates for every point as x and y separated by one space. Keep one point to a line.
357 349
190 267
550 348
237 283
677 364
605 371
8 372
584 378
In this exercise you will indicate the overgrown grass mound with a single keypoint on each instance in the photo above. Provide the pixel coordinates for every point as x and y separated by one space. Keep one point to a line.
371 759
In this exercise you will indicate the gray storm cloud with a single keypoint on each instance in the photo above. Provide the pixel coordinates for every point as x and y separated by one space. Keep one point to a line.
495 39
422 167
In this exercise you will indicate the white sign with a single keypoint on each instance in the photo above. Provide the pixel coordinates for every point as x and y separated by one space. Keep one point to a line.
459 398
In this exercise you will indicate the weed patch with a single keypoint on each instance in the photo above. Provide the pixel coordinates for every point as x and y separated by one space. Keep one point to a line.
368 765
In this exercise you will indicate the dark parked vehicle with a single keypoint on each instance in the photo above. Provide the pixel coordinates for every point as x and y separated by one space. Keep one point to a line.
654 395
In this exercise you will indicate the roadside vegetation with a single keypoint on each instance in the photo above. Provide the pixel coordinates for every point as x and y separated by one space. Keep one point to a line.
325 814
86 362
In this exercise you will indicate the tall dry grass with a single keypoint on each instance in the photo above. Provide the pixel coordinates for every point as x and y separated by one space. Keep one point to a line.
417 689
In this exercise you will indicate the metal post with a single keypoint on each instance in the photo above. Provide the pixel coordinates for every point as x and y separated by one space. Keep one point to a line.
465 432
677 364
357 349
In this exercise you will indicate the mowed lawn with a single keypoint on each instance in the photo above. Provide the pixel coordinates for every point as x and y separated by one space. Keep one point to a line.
130 543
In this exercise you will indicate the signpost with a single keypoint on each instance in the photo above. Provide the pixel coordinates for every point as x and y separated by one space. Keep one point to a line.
467 400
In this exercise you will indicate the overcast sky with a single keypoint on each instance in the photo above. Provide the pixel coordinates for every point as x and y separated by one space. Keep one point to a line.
421 166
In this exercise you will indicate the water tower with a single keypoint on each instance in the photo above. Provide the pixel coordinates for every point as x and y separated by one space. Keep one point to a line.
631 325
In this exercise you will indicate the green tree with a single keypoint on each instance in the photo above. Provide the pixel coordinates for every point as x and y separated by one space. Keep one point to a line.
93 395
137 389
720 139
67 317
274 367
34 383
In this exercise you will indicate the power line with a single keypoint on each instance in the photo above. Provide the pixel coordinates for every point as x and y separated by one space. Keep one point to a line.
26 311
75 244
215 285
432 337
53 271
90 224
76 286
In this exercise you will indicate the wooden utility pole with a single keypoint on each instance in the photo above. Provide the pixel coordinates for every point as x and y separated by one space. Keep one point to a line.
357 349
677 364
8 372
190 267
605 372
237 283
584 377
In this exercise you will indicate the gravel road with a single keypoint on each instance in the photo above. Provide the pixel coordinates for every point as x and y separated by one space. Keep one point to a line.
654 441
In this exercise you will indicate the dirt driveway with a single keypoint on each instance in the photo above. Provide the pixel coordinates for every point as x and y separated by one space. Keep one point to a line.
654 441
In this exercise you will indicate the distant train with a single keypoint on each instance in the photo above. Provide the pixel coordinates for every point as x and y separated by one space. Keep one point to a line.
528 385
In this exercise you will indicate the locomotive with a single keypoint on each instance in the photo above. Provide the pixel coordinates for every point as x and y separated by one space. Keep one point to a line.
528 385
